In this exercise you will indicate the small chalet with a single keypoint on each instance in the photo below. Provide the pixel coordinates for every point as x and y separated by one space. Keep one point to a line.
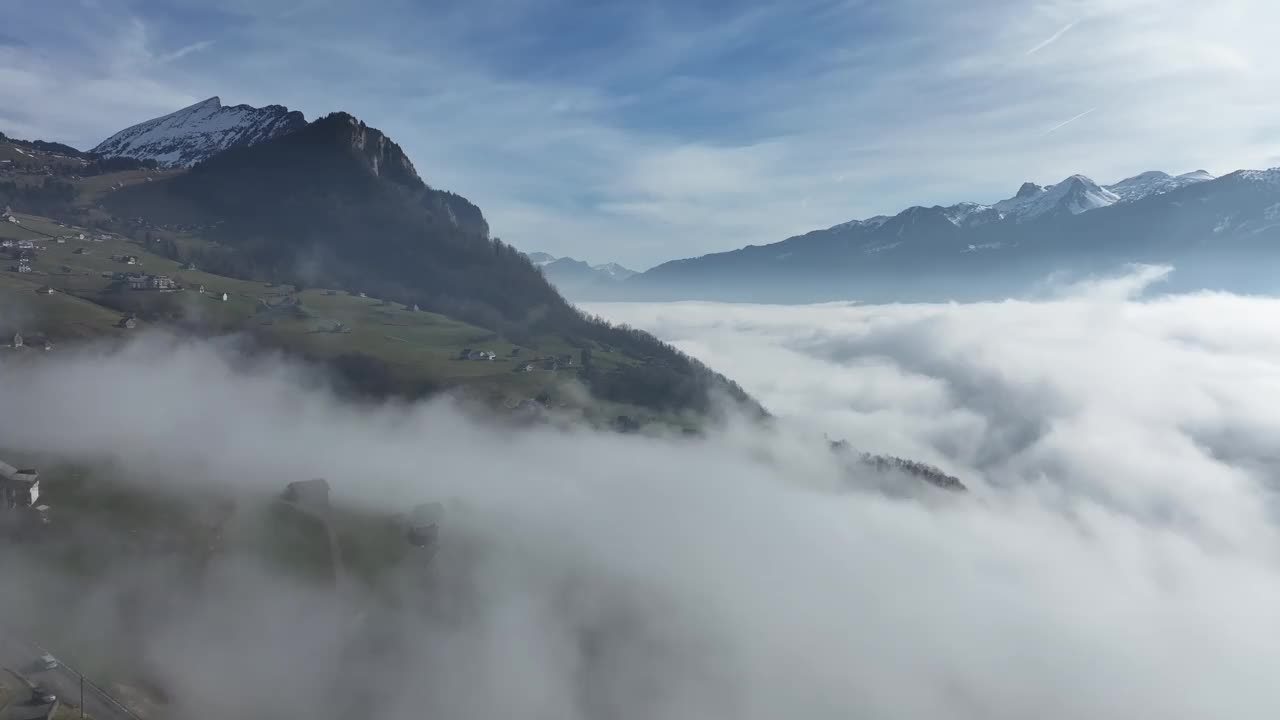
18 488
127 323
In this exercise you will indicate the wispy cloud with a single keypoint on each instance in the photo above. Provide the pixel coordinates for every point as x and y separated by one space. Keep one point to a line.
1051 39
672 129
1068 121
186 50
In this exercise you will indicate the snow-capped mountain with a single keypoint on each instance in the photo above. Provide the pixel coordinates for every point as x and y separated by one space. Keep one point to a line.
1218 232
195 133
1074 195
572 276
1155 182
614 270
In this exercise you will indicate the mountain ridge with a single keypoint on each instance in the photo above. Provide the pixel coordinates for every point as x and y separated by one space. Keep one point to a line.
197 132
573 277
940 252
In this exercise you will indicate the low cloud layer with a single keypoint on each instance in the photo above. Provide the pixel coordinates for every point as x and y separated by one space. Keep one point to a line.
1117 557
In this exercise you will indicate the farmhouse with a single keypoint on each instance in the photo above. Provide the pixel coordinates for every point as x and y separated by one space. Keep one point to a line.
18 488
26 245
127 323
23 267
151 282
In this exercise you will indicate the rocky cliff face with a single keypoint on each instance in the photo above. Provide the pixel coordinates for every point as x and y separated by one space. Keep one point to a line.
384 158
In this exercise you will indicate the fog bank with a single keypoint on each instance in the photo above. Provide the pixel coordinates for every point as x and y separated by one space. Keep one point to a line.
1117 557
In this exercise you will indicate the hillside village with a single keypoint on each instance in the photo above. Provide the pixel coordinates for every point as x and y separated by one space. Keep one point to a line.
85 283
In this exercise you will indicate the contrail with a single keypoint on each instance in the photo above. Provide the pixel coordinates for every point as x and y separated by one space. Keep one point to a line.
1052 38
1068 121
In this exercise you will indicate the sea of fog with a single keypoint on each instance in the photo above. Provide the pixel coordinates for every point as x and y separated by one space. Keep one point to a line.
1117 556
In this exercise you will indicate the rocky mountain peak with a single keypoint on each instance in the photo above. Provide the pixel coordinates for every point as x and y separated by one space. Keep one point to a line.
1028 189
197 132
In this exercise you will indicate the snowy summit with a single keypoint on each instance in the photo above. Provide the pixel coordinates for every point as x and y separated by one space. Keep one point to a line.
193 134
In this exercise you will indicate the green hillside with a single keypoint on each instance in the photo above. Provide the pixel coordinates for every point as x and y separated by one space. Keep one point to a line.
419 349
327 246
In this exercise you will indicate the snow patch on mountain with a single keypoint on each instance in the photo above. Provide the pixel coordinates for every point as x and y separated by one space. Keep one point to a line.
1265 177
614 270
195 133
1074 195
871 222
561 270
1155 182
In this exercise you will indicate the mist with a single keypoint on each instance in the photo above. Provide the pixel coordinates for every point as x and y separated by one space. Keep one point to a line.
1117 554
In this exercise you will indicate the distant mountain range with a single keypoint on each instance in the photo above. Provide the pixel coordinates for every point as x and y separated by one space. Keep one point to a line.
196 133
575 277
1218 233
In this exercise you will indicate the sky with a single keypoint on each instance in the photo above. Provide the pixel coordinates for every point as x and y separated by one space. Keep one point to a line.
639 132
1117 554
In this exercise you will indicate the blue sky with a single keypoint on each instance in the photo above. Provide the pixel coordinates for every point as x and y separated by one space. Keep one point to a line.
644 131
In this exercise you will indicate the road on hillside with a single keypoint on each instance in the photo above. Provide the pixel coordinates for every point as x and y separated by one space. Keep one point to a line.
24 658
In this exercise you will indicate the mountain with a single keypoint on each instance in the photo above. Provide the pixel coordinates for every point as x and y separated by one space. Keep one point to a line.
1218 232
575 277
1155 182
194 134
338 204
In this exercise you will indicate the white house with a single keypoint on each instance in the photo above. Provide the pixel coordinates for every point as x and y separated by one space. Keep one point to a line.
18 488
